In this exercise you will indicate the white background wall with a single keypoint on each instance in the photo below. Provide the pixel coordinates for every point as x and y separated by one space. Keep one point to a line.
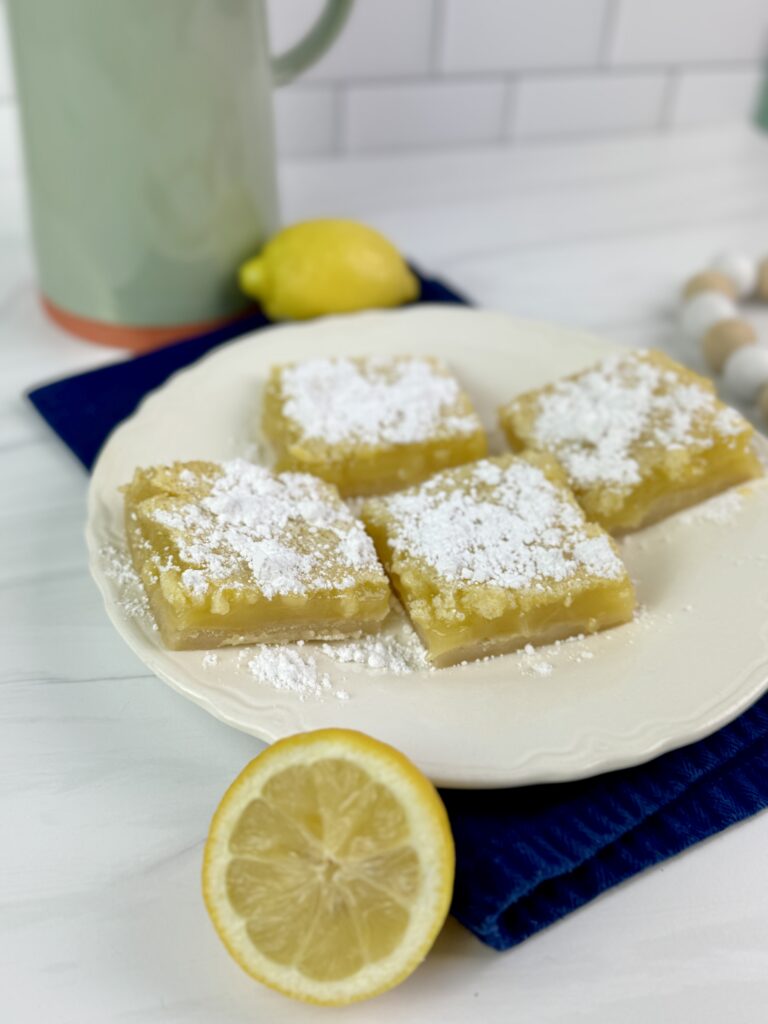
455 73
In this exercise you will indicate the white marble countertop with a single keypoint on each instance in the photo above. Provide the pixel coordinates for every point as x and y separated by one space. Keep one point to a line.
109 779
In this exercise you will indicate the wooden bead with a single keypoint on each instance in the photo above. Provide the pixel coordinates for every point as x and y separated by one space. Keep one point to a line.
725 337
704 310
762 403
711 281
761 289
745 373
740 267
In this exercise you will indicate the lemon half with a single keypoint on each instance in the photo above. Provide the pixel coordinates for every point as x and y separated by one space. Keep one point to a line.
329 866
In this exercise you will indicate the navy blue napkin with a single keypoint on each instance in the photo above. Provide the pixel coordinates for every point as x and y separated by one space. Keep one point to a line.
525 857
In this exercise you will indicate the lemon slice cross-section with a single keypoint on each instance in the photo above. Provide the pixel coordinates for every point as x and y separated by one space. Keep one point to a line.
329 867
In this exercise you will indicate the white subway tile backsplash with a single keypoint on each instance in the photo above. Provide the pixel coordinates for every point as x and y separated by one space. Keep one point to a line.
305 121
680 31
382 38
505 35
586 104
453 73
712 97
381 117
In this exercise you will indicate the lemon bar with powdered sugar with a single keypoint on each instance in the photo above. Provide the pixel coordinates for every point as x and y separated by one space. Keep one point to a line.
489 557
371 424
639 437
231 553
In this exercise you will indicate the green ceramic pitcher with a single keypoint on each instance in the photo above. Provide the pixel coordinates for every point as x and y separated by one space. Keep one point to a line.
149 149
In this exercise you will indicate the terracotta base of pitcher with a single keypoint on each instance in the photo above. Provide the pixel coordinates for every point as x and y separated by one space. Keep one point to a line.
136 339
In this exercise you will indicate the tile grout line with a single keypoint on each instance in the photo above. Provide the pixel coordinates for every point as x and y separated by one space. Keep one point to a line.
669 98
532 73
437 35
509 107
607 34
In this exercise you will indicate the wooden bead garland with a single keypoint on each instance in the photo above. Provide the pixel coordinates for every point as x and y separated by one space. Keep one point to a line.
709 316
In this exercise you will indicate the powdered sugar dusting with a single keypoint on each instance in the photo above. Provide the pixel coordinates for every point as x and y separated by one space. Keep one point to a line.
286 667
298 667
376 400
393 653
132 598
543 661
720 509
542 668
500 522
396 649
285 534
596 421
194 581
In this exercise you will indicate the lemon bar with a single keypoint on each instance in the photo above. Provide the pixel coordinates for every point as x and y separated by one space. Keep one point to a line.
489 557
370 425
231 553
639 437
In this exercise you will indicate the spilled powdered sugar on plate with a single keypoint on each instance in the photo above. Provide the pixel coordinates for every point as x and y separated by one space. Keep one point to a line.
118 567
289 667
542 661
395 649
296 667
720 509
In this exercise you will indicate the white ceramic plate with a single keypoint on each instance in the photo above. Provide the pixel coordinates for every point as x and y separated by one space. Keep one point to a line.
694 658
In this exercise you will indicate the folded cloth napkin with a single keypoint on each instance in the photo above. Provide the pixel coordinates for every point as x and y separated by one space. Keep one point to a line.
525 857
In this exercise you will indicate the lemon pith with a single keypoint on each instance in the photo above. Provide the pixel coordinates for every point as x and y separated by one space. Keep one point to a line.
327 266
328 869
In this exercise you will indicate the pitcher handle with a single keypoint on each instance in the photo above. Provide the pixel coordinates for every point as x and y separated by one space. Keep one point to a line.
313 45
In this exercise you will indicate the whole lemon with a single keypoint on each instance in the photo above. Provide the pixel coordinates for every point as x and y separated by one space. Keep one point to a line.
327 266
